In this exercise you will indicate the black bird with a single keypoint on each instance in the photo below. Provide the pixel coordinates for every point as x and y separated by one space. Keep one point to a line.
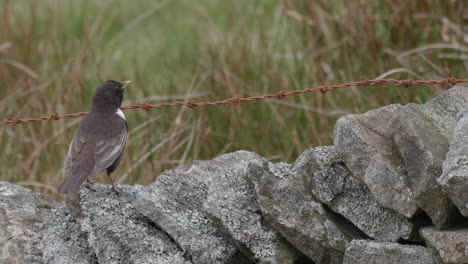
99 141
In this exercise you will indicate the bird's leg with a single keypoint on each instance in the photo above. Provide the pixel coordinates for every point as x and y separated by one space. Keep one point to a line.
112 182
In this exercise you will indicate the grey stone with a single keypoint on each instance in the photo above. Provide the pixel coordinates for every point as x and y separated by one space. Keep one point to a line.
444 109
452 245
299 217
334 185
231 203
454 179
174 203
370 155
381 178
423 148
408 144
63 242
373 252
117 232
22 214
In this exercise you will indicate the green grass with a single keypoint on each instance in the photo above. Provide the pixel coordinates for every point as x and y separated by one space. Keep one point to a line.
56 52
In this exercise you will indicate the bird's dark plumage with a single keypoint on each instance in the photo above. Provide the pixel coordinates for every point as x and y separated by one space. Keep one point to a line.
99 142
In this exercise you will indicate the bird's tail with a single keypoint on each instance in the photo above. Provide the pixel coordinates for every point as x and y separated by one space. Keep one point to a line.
72 183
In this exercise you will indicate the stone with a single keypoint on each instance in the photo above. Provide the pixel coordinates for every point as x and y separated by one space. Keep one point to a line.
423 147
174 202
454 178
334 185
373 252
22 215
452 245
370 155
63 241
299 217
231 203
444 108
117 232
408 144
393 192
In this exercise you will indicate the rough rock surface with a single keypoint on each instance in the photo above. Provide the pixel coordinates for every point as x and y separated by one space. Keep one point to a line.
371 156
334 185
174 202
299 217
404 147
231 202
22 214
117 232
454 179
452 245
63 240
394 175
372 252
422 148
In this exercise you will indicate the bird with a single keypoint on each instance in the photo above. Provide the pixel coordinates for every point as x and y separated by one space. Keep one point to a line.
99 141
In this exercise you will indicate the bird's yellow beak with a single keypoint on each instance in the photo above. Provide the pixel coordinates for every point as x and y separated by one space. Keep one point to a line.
126 84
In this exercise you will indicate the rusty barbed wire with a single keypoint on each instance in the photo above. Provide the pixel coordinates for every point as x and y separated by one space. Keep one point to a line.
238 100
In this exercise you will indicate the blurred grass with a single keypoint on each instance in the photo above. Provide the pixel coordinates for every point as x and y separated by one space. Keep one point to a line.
54 53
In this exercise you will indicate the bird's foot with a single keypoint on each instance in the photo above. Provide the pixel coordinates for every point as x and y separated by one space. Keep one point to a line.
114 190
88 185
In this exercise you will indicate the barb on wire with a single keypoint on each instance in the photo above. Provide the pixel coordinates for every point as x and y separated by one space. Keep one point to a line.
238 100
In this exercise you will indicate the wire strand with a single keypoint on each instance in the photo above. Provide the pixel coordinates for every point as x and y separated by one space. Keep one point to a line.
239 100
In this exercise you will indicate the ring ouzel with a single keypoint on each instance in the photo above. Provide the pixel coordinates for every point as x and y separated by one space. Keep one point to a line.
99 141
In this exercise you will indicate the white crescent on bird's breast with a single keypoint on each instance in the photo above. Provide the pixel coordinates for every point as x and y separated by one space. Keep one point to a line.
120 113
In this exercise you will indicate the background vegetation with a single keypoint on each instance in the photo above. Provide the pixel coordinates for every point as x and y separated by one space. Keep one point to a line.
54 53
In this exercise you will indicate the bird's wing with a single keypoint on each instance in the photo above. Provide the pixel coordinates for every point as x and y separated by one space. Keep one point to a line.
92 151
76 166
107 150
76 146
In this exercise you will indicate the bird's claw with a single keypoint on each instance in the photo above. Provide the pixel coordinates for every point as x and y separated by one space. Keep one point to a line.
114 190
